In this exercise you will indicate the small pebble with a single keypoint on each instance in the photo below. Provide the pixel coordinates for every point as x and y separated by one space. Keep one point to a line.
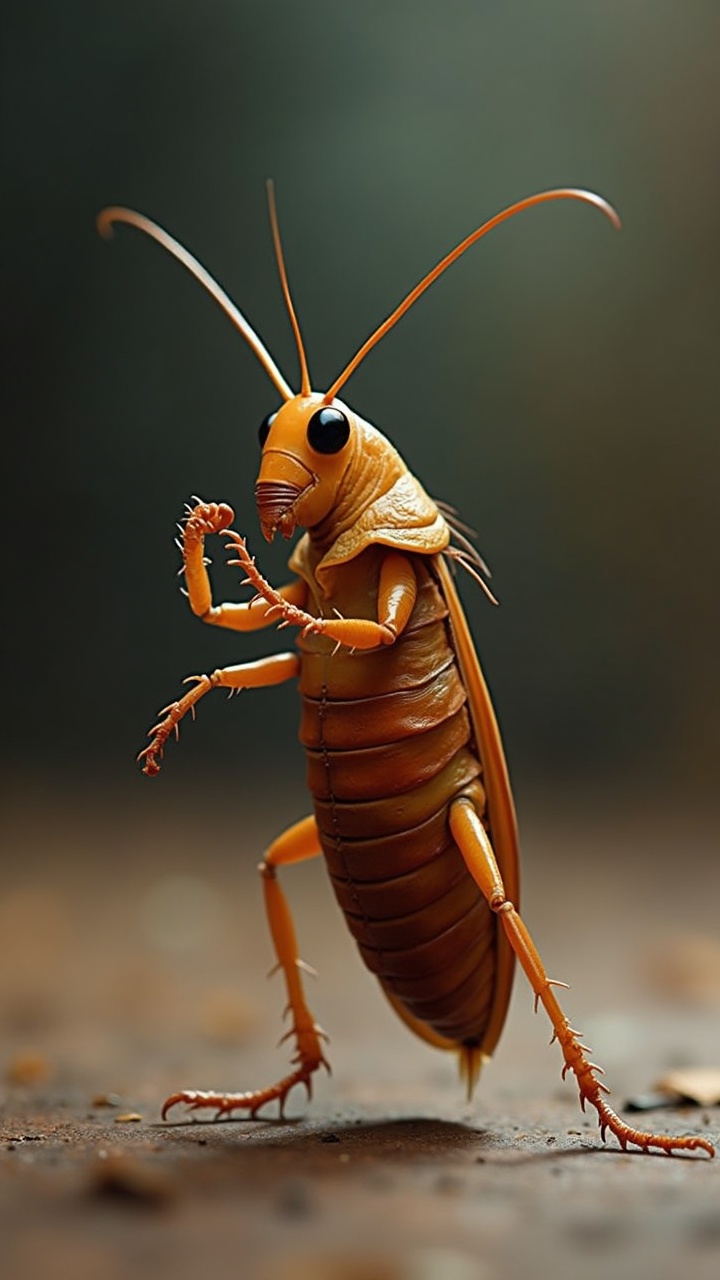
448 1184
648 1102
294 1200
125 1176
705 1230
28 1068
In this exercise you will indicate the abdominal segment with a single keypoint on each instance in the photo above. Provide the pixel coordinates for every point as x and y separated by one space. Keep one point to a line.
389 747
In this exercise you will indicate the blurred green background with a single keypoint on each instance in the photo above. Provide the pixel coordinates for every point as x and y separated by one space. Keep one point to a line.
559 385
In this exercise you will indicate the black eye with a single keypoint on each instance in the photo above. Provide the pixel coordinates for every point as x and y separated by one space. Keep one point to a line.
328 431
265 426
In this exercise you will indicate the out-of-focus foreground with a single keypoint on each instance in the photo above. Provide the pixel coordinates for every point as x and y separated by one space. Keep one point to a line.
134 954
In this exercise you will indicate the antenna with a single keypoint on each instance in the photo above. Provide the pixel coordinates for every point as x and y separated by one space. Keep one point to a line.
561 193
114 213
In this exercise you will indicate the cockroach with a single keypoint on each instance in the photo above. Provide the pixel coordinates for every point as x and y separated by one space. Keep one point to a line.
412 806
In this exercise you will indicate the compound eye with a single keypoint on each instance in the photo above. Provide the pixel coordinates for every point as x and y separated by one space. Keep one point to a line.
328 431
264 428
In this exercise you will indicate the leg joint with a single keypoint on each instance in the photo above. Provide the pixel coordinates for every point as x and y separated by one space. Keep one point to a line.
266 869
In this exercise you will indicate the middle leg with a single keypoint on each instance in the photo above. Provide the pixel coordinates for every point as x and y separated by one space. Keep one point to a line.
261 674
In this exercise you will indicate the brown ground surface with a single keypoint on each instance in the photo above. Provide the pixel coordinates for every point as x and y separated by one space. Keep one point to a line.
133 960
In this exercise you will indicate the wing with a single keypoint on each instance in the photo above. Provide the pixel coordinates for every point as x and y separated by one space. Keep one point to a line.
501 808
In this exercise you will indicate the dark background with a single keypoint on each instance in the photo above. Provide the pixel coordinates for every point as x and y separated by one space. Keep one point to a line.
559 386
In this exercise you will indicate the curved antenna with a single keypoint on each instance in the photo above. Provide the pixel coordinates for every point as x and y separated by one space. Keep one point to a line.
305 387
561 193
114 213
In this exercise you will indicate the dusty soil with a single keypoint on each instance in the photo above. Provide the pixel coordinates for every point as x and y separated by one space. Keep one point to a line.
133 960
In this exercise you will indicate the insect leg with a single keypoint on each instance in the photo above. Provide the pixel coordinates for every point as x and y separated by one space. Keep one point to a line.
202 519
215 517
397 592
273 669
296 844
474 845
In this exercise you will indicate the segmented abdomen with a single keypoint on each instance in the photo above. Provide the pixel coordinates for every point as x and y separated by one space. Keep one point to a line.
389 746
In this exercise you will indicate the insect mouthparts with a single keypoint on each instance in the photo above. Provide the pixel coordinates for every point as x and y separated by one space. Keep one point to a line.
275 500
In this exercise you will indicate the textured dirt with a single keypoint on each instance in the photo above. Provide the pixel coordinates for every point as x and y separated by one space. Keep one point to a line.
133 960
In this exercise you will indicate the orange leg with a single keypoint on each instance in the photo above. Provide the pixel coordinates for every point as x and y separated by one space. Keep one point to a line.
295 845
397 592
215 517
273 669
475 847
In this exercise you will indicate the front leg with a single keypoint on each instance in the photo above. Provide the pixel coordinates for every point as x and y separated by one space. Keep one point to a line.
273 669
397 591
215 517
200 520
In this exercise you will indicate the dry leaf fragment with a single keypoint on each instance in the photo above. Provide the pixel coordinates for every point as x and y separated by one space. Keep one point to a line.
107 1100
700 1085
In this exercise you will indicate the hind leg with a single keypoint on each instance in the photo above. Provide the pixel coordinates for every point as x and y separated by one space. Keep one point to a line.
296 844
474 844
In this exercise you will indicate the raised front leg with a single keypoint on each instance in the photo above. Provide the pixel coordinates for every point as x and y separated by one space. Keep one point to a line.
273 669
474 845
295 845
215 517
397 592
202 519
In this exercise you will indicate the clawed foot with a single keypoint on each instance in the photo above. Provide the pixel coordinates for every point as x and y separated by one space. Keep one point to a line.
223 1104
307 1059
591 1090
205 518
646 1141
151 756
